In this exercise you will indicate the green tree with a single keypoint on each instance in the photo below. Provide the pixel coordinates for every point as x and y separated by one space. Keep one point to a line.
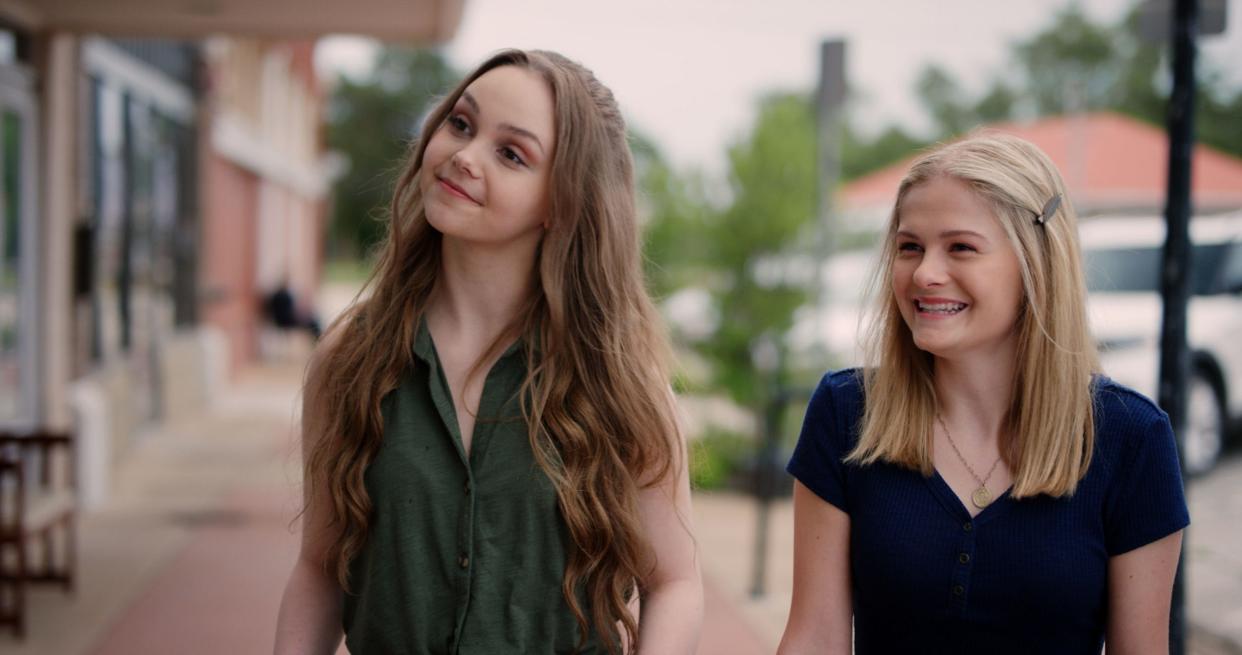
1217 113
1070 65
772 179
951 110
860 155
1077 64
996 105
1140 64
675 211
943 98
372 122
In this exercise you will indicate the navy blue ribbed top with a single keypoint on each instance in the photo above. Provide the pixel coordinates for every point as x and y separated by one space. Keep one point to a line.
1023 576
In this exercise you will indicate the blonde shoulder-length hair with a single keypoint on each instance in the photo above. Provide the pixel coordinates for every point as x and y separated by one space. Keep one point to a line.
1049 425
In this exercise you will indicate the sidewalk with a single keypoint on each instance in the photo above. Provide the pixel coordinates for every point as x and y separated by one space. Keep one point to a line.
191 553
187 553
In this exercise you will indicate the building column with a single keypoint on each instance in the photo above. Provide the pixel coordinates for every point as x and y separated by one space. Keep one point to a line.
58 202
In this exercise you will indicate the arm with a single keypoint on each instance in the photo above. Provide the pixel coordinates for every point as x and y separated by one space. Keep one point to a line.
672 600
821 614
1140 589
310 611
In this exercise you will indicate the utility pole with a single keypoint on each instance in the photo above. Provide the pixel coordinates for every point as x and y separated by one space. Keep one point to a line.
830 97
1174 276
1180 26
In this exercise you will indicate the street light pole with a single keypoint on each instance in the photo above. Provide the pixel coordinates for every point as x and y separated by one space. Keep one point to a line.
1175 278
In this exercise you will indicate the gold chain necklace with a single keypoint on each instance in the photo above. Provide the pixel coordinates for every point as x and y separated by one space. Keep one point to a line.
981 497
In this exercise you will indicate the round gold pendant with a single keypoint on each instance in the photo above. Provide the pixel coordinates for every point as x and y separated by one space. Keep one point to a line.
981 497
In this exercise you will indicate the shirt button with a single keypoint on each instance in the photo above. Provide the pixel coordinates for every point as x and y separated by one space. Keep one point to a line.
467 488
463 561
964 558
958 590
967 526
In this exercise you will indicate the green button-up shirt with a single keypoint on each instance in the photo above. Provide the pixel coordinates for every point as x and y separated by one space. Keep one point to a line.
465 554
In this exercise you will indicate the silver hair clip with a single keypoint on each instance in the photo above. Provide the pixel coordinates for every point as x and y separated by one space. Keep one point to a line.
1050 208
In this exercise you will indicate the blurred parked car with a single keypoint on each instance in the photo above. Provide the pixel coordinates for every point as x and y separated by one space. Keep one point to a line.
1123 260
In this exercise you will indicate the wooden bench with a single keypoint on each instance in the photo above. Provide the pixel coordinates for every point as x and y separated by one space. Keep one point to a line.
36 499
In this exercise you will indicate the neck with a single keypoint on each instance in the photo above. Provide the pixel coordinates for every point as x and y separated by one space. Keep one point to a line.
974 394
479 291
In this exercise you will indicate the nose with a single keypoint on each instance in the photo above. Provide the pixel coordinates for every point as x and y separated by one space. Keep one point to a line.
464 162
930 272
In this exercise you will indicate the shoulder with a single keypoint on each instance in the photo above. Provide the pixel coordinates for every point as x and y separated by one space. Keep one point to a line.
829 432
844 385
1120 408
1126 420
842 391
837 403
1118 399
1143 492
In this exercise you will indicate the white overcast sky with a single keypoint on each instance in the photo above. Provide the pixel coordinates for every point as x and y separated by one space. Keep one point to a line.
688 72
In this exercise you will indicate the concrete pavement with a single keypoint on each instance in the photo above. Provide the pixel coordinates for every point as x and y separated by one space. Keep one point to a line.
191 552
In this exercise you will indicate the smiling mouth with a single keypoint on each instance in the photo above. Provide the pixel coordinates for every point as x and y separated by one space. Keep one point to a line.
940 308
455 190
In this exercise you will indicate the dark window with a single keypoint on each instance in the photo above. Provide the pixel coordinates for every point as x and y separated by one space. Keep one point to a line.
1121 270
1232 275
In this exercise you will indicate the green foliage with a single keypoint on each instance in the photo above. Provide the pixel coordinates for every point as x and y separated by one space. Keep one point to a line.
1141 63
951 111
772 177
720 247
716 457
860 156
1217 115
996 105
941 95
1072 64
372 122
676 212
1075 64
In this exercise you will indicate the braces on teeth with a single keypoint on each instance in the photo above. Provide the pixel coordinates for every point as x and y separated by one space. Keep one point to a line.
943 307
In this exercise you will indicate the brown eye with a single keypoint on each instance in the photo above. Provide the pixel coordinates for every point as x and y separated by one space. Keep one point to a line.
512 156
457 123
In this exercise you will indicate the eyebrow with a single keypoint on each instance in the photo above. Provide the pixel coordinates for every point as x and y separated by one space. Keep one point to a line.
508 127
947 234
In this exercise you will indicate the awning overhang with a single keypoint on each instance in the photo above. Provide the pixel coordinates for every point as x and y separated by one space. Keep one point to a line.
423 22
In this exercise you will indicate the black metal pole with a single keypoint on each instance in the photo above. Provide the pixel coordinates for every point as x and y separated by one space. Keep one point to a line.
1175 278
767 474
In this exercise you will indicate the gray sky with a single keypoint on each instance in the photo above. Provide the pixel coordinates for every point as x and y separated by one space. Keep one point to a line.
688 72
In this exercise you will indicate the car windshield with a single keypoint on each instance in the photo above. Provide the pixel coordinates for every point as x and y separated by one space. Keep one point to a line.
1120 270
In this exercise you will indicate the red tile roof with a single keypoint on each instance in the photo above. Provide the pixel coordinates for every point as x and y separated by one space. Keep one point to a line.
1109 162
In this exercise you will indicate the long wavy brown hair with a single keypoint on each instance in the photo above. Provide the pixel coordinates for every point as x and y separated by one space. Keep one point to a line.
596 395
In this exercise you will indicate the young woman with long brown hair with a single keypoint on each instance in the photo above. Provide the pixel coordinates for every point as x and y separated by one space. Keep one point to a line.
492 460
981 487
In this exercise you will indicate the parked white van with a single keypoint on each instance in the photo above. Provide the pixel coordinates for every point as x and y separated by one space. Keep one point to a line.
1122 256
